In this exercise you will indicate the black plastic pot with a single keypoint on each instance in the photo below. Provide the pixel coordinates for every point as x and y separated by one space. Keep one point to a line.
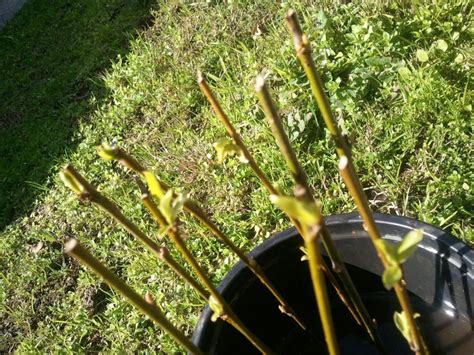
439 277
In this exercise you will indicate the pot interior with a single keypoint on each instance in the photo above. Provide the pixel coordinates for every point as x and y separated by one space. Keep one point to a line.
444 305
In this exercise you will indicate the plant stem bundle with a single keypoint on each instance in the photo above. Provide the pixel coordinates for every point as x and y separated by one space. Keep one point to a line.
303 192
302 209
193 208
346 166
89 192
354 302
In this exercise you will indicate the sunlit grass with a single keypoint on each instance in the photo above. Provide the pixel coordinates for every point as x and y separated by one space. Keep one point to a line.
409 122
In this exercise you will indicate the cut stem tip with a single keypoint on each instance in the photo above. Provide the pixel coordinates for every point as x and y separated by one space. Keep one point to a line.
343 163
200 77
70 245
259 83
149 299
290 13
294 27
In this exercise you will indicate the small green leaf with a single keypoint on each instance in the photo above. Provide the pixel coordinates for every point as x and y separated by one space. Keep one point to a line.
401 322
389 250
422 55
106 152
391 276
308 213
409 244
225 147
442 45
170 205
71 182
216 308
166 207
154 185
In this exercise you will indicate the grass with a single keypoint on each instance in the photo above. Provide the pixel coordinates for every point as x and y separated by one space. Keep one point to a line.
50 54
409 120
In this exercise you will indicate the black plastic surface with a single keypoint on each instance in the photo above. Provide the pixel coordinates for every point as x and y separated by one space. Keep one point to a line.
439 277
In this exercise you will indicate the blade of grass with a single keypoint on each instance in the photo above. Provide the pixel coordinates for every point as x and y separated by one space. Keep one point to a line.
75 249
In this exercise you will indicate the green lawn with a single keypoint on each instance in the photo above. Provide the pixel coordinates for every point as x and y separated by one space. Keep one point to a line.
75 75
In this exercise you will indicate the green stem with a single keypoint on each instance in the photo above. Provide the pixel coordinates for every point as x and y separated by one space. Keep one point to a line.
154 211
303 51
319 285
251 263
179 243
229 314
91 194
73 248
233 133
355 189
302 189
303 192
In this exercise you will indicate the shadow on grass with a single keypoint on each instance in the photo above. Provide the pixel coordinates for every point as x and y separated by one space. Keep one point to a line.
50 56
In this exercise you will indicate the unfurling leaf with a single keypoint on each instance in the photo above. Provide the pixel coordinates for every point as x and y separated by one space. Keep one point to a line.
216 308
391 276
308 213
166 207
401 322
106 152
170 205
71 182
225 147
409 244
154 185
396 255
